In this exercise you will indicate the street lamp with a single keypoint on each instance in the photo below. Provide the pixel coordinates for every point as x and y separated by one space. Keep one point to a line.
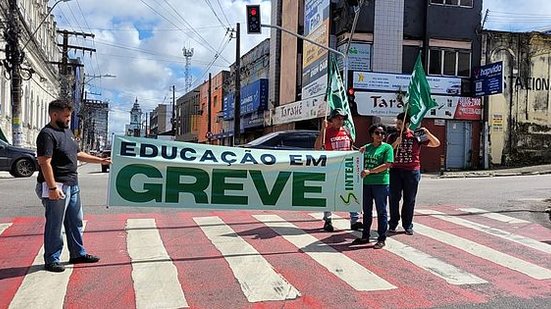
41 22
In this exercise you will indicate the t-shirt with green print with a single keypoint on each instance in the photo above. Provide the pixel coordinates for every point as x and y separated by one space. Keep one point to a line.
375 156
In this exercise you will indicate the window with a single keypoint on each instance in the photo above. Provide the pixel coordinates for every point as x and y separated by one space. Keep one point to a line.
450 62
461 3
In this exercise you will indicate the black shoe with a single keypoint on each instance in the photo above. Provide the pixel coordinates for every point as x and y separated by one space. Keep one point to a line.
55 267
391 231
360 241
87 258
356 226
379 245
328 226
409 232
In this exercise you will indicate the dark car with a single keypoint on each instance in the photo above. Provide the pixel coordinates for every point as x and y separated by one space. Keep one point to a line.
105 153
285 140
20 162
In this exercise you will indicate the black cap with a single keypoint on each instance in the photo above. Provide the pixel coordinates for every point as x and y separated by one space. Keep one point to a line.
338 112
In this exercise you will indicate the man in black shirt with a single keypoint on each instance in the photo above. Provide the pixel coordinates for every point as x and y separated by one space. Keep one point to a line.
58 153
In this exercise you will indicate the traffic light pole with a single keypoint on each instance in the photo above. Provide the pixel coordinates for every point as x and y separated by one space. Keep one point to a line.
237 100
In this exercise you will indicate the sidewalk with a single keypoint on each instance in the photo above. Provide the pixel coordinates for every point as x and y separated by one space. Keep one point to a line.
527 170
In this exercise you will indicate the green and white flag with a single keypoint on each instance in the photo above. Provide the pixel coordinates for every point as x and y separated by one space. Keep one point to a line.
418 98
337 98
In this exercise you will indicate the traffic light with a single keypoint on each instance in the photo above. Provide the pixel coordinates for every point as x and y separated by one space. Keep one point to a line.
253 19
351 94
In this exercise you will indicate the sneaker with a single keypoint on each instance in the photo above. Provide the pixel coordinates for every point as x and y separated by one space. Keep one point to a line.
356 226
328 226
360 241
54 267
87 258
409 232
379 245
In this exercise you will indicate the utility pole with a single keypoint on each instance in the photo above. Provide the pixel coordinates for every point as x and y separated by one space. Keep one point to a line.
188 53
209 110
173 121
146 120
13 61
237 100
65 57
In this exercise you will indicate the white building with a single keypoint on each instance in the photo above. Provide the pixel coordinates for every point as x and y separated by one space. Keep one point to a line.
43 86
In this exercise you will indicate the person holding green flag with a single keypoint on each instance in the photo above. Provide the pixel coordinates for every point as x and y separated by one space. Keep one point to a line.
405 173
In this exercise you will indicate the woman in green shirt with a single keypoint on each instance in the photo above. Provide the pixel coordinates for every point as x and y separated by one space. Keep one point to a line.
378 156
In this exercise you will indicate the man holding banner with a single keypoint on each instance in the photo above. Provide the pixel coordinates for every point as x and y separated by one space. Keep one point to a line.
339 133
405 173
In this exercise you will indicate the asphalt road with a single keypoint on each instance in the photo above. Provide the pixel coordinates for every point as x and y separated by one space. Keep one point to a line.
523 197
519 196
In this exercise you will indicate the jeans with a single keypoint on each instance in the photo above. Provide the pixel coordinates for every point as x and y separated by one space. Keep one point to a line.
65 212
379 193
354 216
403 182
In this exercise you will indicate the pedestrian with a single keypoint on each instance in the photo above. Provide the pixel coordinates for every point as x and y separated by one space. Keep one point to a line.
57 187
337 138
405 172
378 157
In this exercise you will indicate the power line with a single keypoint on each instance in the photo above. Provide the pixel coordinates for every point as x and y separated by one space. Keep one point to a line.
209 4
223 12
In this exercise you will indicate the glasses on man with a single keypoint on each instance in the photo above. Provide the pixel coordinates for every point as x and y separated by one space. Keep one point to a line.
379 133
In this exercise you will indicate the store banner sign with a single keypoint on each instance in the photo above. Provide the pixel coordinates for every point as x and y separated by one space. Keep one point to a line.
386 104
488 79
400 82
152 173
359 57
314 60
310 108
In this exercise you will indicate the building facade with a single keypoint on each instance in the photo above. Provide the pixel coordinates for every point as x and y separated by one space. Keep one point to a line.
188 115
40 87
255 71
389 36
520 118
95 125
160 120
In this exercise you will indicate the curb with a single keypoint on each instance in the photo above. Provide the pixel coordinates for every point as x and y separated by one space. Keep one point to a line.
495 174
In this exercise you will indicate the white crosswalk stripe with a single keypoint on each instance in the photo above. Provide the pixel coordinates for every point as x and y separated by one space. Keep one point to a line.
3 227
525 241
494 216
348 270
437 267
257 278
43 289
485 252
155 276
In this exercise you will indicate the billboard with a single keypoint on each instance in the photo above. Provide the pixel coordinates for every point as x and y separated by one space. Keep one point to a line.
359 56
488 79
386 104
314 65
254 97
394 82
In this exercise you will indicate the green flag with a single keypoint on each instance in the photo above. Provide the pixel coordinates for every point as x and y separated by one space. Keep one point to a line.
337 98
419 101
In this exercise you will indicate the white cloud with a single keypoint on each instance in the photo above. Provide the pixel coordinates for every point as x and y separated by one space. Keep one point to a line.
514 15
149 76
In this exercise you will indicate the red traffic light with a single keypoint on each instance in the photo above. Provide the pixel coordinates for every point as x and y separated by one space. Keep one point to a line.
253 11
351 91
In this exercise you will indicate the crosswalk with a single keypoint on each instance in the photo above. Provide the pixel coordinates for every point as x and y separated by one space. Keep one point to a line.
237 259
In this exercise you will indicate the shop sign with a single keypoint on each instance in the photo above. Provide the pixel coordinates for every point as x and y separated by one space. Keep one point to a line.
400 82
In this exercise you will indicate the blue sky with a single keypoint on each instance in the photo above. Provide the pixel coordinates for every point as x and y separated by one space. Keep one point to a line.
141 41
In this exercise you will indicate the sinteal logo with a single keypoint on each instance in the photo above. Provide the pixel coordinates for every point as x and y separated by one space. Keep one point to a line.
349 182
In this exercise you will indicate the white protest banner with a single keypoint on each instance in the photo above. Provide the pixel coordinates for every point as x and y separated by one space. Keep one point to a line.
153 173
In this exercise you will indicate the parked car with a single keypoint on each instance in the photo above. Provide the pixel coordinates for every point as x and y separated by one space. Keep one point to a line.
105 153
20 162
285 140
